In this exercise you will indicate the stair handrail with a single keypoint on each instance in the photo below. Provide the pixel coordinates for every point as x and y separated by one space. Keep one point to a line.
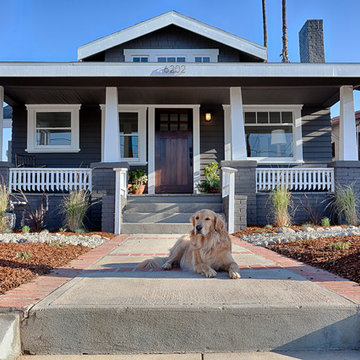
228 189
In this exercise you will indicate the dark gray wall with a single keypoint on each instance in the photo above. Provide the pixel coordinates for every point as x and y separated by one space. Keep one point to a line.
173 37
317 201
90 139
211 136
316 130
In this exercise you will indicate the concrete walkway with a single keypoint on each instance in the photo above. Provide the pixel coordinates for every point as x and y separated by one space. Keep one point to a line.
110 307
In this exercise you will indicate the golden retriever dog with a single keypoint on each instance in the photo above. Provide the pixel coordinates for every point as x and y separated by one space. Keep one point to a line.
206 250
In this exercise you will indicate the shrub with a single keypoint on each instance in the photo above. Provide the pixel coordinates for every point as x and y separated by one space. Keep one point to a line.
4 203
212 179
339 245
75 207
346 203
325 221
281 203
23 256
25 229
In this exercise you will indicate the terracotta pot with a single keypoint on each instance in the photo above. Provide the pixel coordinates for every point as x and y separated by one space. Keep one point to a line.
214 191
139 191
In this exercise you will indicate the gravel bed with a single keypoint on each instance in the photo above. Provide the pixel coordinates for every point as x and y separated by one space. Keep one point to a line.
91 241
285 234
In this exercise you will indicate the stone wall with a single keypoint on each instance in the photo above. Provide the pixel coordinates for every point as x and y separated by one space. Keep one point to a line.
240 209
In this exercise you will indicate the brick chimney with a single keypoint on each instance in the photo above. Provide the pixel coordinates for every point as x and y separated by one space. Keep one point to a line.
311 42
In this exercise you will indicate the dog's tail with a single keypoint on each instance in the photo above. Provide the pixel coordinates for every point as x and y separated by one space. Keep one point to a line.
155 263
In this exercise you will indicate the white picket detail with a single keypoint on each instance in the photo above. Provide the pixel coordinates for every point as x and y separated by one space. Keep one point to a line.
228 189
49 179
121 191
302 179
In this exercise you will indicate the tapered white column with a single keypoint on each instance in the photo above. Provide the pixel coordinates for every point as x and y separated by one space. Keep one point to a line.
1 120
111 126
238 140
348 148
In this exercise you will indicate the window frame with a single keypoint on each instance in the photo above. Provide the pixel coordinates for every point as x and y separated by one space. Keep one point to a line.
142 144
188 54
33 109
296 131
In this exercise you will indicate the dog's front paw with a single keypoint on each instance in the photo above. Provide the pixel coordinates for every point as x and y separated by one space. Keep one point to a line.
234 275
211 273
166 266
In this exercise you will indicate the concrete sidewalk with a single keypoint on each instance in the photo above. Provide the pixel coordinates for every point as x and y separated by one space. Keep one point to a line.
111 308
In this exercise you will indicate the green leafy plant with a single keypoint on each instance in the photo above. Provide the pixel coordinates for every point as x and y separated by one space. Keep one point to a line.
23 255
25 229
4 204
325 221
268 226
281 203
339 245
135 187
138 177
62 229
80 231
75 207
212 179
57 243
345 203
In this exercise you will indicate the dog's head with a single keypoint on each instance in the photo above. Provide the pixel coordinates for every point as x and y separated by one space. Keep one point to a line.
205 221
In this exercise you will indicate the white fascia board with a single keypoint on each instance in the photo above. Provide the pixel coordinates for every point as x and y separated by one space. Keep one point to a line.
230 70
171 18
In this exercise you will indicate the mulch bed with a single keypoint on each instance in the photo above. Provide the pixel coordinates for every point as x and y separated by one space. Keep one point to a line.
319 253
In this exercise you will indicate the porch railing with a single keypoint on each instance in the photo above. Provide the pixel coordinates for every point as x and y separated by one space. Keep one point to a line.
121 191
49 179
305 179
228 189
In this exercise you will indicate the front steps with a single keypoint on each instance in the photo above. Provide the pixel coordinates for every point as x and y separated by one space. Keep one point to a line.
165 214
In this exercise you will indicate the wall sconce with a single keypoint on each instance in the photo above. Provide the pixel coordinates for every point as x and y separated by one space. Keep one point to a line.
208 116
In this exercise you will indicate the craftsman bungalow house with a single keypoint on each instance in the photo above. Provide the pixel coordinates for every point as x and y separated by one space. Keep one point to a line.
170 95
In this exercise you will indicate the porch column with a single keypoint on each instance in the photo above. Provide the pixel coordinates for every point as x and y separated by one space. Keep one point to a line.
1 120
348 148
238 140
111 127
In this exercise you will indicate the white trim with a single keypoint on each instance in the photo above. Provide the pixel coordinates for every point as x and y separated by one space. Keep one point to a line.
348 149
141 110
171 18
297 132
198 70
227 132
151 144
1 120
153 54
32 109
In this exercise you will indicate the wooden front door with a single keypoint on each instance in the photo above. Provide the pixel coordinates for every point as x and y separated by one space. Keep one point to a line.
173 151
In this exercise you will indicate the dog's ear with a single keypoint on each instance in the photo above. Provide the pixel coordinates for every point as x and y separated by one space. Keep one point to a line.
219 223
192 220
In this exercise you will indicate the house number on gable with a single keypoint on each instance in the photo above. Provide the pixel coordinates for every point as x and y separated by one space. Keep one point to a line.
174 69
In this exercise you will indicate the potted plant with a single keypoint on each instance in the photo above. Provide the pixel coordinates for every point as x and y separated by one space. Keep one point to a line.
212 179
139 180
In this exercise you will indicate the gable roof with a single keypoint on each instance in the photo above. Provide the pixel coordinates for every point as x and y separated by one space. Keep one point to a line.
171 18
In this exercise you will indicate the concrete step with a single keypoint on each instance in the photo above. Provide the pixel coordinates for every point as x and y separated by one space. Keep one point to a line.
157 217
155 228
187 207
175 198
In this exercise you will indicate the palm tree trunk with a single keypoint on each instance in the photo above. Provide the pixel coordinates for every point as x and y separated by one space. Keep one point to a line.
264 22
284 54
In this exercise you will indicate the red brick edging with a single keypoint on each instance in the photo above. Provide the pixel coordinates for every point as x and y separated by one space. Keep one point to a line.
332 282
26 295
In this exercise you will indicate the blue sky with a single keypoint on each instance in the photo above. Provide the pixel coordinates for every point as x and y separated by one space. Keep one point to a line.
51 30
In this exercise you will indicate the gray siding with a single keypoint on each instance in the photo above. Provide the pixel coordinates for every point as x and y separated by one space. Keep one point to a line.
211 136
173 37
316 131
90 140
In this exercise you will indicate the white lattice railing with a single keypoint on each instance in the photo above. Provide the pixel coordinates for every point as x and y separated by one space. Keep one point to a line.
49 179
228 189
305 179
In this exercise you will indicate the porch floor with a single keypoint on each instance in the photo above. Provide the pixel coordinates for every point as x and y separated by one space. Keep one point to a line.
110 308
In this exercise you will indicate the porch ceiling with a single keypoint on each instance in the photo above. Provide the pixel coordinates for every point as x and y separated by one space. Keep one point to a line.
309 95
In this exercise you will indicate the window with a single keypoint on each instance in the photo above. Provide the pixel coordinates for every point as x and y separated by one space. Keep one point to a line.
53 128
132 133
171 55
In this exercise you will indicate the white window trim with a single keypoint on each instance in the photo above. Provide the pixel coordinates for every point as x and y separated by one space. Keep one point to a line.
297 133
32 109
141 111
189 54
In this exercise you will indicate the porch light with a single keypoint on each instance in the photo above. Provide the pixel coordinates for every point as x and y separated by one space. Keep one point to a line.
208 116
